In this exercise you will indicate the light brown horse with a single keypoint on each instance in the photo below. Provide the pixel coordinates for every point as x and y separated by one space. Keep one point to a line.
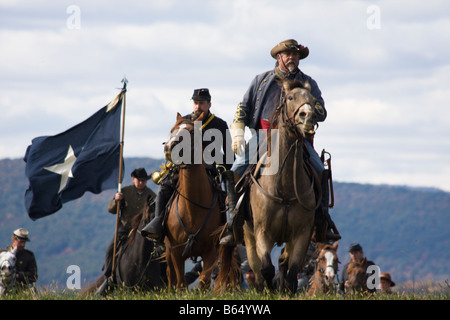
326 269
194 217
283 202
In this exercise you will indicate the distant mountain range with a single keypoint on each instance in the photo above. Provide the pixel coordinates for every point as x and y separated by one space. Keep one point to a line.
402 229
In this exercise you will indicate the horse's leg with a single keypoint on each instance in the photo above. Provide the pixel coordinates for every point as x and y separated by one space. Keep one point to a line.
297 252
283 261
264 247
178 263
209 258
252 256
171 279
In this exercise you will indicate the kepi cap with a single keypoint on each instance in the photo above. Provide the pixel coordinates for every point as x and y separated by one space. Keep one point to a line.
201 94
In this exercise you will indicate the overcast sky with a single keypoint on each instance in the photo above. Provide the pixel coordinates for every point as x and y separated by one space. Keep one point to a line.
383 68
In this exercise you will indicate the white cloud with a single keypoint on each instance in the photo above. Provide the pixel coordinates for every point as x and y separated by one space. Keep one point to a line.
386 90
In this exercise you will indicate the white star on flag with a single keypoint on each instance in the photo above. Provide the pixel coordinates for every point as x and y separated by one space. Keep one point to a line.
64 169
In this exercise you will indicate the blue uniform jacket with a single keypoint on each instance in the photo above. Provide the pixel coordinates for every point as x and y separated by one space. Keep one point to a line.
263 95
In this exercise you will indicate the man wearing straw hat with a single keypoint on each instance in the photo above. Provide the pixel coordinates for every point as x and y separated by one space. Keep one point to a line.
386 283
26 266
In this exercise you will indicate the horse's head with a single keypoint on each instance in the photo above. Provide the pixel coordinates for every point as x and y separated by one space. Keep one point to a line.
357 277
298 113
7 265
327 262
180 146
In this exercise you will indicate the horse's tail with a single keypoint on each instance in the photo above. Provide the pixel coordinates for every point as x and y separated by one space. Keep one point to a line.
229 272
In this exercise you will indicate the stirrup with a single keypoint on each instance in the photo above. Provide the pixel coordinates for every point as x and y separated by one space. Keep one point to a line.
227 239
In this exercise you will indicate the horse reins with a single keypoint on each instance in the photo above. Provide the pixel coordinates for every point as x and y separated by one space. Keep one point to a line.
192 238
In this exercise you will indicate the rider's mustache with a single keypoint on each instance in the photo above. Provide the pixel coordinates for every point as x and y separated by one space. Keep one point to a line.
291 65
290 61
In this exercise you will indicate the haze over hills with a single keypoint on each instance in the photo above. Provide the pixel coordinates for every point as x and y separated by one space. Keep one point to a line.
404 230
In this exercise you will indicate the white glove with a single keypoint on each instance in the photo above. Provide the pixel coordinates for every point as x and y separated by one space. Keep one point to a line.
237 134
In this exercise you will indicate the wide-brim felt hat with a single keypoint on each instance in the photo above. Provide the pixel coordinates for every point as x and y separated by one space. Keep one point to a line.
290 45
21 234
140 174
386 276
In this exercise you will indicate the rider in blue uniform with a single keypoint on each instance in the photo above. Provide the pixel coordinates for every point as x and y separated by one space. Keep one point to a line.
201 103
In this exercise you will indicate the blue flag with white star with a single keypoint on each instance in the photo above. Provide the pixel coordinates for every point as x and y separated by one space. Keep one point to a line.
84 158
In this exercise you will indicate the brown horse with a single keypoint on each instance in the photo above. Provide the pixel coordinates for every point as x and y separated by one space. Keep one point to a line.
357 276
326 269
283 202
194 216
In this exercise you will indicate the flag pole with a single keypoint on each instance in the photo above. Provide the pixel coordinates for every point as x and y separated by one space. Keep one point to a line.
119 186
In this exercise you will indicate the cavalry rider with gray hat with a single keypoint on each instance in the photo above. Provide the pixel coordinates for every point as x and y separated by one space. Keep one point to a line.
254 111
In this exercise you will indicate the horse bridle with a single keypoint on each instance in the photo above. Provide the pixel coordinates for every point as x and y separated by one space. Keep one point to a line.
322 272
289 118
192 238
299 139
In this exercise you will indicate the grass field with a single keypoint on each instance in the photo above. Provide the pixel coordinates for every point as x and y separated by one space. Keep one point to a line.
195 304
422 291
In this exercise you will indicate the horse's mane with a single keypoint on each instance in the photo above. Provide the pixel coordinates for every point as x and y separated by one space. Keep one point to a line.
184 119
136 220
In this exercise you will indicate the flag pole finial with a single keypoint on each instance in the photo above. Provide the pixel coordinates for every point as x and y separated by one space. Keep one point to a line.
125 82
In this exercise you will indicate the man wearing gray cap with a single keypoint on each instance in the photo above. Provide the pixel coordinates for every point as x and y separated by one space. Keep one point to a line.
356 255
26 266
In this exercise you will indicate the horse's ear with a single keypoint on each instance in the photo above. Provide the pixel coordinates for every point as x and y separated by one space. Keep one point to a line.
364 261
14 251
320 245
201 117
286 85
335 246
179 116
307 86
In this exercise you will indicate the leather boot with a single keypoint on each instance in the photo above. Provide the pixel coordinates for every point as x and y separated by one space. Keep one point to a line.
324 223
154 229
236 222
